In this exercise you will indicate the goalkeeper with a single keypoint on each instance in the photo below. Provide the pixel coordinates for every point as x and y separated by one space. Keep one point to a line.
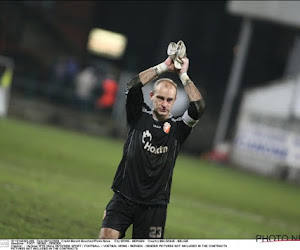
142 182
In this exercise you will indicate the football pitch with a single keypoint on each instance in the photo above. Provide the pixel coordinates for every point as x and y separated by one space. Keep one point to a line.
55 184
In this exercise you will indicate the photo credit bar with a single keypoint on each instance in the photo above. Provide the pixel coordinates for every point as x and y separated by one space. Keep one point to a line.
95 244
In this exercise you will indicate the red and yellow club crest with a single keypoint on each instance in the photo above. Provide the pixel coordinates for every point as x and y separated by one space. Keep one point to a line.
167 127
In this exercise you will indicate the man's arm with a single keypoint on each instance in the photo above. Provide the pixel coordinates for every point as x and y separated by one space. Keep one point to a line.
150 74
197 104
135 100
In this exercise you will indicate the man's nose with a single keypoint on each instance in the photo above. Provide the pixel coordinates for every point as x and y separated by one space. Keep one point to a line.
165 103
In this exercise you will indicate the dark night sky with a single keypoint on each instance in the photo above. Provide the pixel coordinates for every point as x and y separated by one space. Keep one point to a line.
207 31
210 34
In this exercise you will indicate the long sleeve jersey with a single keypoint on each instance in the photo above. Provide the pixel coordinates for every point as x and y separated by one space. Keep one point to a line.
144 174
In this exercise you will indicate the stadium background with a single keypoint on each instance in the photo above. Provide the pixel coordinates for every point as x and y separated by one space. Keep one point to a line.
47 41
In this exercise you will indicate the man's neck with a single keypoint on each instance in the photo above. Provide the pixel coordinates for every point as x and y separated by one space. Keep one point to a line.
159 117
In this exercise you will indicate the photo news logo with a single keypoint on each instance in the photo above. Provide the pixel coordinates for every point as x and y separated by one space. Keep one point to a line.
276 237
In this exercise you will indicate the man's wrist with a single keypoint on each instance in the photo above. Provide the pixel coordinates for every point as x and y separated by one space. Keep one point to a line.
160 68
185 79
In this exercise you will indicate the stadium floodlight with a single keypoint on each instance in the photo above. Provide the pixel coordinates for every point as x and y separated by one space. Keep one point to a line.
106 43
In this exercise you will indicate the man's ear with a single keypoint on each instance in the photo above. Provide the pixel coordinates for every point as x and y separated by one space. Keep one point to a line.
151 94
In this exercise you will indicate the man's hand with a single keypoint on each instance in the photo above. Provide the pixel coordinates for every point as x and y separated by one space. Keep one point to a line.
184 66
183 72
166 65
170 64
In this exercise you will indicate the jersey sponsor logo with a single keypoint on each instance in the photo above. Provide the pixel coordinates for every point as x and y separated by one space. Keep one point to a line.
148 145
167 127
145 135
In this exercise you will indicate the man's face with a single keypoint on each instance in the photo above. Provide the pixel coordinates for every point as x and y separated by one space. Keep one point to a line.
163 98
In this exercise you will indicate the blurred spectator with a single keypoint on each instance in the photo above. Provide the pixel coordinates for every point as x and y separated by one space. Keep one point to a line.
70 70
108 96
85 82
60 87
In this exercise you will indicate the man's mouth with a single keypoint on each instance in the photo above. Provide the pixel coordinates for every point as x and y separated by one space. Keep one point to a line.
162 110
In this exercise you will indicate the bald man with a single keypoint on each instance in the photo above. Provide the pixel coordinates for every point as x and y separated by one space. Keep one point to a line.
142 182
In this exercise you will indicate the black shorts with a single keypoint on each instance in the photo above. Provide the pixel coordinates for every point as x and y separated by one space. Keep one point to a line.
148 220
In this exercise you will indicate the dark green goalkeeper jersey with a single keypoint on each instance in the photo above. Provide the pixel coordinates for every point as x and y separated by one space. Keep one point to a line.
144 174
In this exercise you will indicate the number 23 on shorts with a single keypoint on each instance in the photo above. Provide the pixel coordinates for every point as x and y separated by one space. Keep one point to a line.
155 232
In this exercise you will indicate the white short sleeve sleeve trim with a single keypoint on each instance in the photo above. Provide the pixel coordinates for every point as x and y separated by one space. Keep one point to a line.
189 121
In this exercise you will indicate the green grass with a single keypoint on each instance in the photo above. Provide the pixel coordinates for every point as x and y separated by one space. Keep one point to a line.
56 183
